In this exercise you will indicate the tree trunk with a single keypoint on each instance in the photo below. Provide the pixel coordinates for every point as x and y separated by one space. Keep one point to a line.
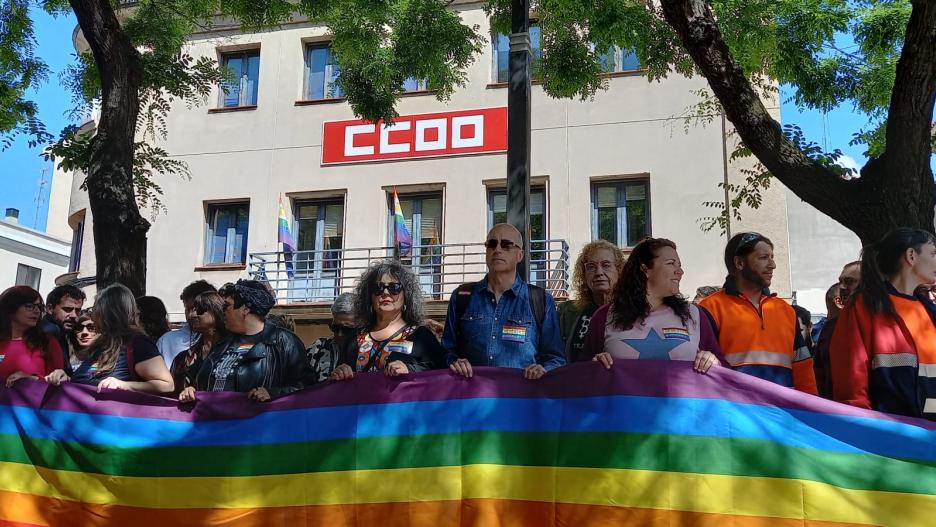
895 190
119 229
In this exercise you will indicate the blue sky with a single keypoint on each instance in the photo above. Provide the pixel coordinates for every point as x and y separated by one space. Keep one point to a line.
21 166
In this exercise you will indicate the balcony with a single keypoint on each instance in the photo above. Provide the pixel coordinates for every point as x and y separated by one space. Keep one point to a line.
319 276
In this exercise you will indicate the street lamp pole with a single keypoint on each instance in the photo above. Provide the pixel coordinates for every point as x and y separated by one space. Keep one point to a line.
518 129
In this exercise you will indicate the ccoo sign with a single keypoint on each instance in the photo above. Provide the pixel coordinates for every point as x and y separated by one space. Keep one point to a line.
413 136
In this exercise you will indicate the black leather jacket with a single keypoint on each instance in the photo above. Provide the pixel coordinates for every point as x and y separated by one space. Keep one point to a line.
276 362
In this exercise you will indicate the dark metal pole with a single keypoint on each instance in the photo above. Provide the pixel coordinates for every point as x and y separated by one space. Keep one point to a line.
518 129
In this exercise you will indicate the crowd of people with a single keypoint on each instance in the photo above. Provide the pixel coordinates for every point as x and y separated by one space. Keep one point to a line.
875 349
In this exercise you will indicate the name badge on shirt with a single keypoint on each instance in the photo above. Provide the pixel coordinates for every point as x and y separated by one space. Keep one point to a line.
676 334
513 333
405 347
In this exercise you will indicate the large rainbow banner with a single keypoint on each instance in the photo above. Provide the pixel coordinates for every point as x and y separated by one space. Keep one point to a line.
646 443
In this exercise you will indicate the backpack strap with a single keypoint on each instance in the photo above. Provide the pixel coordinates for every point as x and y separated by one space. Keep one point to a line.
538 304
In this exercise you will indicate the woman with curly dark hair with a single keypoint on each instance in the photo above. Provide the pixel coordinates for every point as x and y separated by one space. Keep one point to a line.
594 277
648 317
389 306
25 350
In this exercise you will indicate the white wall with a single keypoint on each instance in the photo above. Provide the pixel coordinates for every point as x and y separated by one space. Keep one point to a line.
20 245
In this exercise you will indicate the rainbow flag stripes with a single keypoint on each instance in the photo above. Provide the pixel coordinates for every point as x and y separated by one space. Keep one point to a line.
676 333
285 237
513 333
645 443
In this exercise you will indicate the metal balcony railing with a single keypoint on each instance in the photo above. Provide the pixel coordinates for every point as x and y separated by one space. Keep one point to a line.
320 276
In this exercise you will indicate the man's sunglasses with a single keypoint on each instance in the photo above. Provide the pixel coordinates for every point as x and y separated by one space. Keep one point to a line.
504 244
340 329
394 288
748 239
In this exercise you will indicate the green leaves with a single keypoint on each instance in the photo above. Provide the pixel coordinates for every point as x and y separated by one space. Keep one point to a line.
20 71
381 44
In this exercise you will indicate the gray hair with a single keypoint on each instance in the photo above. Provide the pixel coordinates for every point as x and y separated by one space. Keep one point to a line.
366 286
343 305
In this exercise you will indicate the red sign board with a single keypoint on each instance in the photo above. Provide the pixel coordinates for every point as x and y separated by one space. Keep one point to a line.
413 136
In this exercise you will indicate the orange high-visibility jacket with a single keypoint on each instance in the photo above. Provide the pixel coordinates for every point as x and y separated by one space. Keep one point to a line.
764 342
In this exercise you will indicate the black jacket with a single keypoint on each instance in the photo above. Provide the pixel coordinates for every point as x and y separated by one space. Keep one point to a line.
276 362
54 330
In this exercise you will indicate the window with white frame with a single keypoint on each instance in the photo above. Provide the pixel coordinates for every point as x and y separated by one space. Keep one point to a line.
422 214
497 211
322 72
621 211
74 261
243 69
226 233
28 275
617 60
500 44
412 84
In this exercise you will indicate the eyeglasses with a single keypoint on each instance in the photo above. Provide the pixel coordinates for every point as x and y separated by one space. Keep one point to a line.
35 308
747 239
504 244
341 329
87 327
394 288
592 267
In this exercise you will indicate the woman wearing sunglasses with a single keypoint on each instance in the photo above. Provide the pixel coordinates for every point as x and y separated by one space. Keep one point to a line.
389 306
81 339
25 350
206 319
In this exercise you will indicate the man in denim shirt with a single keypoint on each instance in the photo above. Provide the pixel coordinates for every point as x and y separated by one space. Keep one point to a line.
499 328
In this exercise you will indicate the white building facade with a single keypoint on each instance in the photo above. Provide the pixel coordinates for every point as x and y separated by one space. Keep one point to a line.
29 257
620 167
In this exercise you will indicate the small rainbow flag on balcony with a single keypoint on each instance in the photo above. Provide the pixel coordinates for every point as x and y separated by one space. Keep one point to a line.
401 235
285 237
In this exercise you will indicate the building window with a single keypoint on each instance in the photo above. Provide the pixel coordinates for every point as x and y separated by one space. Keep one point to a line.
244 69
28 275
539 255
321 74
497 211
413 84
422 214
501 48
616 60
226 233
74 260
621 212
319 239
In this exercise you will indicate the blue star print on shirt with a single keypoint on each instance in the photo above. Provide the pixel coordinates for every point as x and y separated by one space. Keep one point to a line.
652 347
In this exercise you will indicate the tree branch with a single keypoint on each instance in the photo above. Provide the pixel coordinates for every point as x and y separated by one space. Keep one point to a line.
857 204
910 119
